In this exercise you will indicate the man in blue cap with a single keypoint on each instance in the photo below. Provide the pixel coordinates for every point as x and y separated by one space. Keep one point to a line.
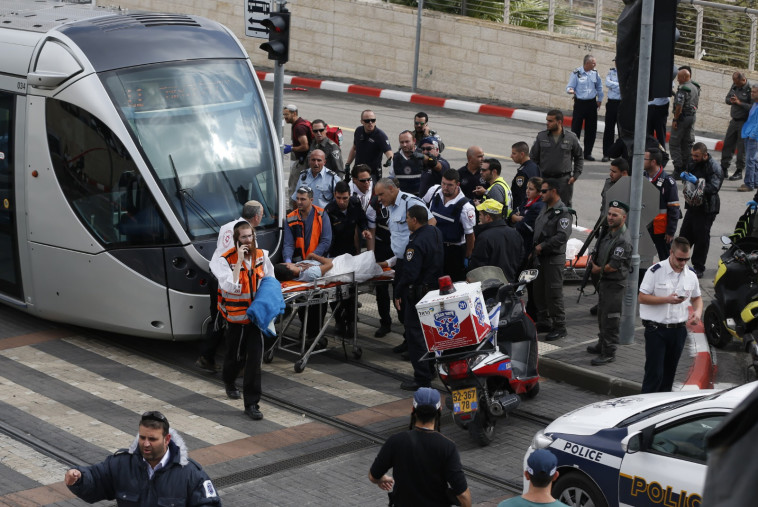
541 471
426 465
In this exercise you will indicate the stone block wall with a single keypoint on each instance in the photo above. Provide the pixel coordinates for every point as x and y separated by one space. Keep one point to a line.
372 41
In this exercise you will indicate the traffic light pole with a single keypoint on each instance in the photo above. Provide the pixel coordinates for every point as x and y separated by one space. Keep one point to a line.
629 312
278 100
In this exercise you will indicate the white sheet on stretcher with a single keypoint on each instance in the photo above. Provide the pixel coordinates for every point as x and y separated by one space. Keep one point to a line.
364 266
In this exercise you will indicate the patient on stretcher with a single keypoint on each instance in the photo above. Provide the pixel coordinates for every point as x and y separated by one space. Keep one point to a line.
364 267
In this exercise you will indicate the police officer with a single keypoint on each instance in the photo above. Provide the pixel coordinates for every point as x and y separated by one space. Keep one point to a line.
456 219
740 101
348 220
407 164
551 233
682 127
699 217
320 179
331 150
611 112
664 224
497 189
378 223
396 204
611 262
527 169
558 154
420 273
434 165
665 295
586 86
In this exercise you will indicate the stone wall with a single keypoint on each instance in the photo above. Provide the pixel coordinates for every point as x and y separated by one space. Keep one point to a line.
371 41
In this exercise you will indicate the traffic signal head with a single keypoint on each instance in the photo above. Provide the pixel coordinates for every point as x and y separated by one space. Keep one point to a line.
278 45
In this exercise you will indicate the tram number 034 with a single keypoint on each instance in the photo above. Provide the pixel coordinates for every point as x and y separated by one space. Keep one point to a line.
20 85
464 400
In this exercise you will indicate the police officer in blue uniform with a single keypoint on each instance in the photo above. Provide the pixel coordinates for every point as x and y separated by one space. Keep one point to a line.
320 179
586 85
611 112
378 223
421 271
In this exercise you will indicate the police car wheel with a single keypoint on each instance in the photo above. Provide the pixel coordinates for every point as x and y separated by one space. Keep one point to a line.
715 331
577 490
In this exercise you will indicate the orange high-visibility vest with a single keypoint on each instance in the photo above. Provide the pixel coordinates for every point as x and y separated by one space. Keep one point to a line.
297 227
234 306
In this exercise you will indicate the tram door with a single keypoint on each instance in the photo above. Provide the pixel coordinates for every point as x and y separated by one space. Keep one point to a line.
10 282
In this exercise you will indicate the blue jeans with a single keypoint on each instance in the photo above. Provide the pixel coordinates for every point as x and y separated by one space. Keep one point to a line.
751 162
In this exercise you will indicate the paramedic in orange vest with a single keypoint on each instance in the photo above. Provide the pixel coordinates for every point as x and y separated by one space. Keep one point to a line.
239 271
663 228
308 229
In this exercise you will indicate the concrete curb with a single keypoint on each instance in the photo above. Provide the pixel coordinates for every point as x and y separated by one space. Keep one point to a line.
582 377
428 100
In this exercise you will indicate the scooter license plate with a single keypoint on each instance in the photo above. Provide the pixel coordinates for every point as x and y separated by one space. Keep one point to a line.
465 400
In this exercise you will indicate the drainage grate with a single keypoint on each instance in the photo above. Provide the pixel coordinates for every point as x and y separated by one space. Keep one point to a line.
299 461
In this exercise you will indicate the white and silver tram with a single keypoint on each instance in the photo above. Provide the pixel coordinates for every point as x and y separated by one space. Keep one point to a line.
125 139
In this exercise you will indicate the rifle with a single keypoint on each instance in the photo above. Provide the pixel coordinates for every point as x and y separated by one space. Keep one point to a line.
597 232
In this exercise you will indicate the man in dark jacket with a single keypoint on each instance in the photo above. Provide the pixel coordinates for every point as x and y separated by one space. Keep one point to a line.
497 244
154 469
699 216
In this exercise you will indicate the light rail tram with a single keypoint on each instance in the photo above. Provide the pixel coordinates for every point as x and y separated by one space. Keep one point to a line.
126 138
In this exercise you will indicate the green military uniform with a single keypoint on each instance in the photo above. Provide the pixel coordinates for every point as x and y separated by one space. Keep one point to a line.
552 230
614 249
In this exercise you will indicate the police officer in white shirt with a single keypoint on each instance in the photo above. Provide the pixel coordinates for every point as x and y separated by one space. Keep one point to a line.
666 293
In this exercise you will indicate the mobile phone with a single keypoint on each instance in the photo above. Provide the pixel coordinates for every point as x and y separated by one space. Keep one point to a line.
681 297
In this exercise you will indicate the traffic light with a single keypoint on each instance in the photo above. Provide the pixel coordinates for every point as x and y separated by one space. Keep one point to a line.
662 58
278 45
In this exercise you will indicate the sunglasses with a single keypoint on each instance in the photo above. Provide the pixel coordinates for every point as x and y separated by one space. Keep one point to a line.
419 123
318 130
369 120
427 148
682 259
154 415
305 188
365 180
545 190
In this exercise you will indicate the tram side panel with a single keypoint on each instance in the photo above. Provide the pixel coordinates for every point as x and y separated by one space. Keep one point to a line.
84 189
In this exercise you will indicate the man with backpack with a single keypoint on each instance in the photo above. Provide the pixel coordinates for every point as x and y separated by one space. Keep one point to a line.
331 148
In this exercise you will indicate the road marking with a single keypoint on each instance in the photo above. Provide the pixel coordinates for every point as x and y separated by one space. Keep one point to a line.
330 384
206 388
30 463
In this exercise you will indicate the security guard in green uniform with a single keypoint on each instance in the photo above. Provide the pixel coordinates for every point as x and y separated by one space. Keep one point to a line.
552 230
611 262
422 268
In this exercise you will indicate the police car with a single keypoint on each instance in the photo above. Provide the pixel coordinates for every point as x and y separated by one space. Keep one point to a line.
637 450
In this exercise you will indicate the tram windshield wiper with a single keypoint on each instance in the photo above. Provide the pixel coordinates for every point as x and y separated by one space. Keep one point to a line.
188 201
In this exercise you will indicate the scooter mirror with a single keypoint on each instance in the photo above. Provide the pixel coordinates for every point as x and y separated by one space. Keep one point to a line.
726 240
528 275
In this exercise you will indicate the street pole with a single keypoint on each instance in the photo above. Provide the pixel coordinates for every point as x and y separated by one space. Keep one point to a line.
629 312
418 45
276 114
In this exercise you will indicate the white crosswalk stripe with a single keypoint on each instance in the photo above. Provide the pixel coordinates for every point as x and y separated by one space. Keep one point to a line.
168 374
26 461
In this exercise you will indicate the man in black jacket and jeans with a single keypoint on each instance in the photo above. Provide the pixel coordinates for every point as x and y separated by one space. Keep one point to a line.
156 467
699 218
497 243
425 464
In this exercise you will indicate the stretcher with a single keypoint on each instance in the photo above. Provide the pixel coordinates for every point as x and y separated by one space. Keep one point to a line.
335 291
574 269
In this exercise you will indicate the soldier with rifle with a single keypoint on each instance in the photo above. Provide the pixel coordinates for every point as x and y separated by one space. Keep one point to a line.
611 262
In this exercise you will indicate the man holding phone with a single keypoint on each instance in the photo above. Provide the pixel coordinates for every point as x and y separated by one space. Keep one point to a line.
240 271
666 293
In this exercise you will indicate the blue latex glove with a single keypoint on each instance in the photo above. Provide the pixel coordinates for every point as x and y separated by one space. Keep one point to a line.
752 204
287 148
465 262
688 177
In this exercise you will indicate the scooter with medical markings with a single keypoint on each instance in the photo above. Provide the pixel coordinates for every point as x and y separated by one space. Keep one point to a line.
488 380
733 312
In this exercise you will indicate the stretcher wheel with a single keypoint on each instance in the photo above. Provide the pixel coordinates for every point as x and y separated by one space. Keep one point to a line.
268 356
300 366
357 352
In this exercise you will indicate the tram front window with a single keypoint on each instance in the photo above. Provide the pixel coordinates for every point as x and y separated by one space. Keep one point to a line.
203 128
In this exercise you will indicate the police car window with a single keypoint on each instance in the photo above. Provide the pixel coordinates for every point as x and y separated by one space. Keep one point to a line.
686 440
655 410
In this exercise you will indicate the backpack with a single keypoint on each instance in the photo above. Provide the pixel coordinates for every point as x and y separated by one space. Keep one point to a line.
333 133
